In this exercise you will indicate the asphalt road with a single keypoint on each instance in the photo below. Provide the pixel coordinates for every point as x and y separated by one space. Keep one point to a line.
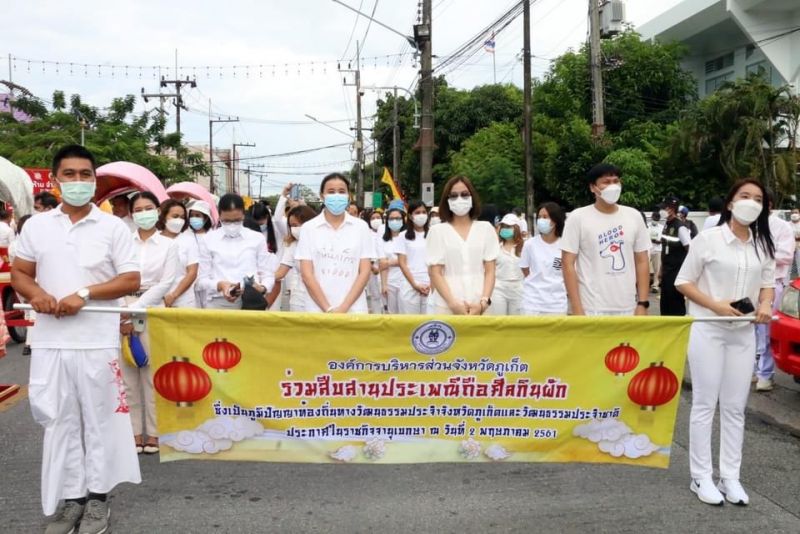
196 497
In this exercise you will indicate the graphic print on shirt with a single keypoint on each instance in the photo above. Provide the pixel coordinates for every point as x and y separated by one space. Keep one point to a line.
557 263
610 243
336 263
123 396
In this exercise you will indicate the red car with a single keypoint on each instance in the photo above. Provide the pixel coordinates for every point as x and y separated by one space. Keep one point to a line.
785 332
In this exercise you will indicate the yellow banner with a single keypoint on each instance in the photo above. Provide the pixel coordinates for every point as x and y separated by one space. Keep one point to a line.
321 388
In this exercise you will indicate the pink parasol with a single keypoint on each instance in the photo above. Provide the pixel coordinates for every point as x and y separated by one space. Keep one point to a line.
120 177
182 190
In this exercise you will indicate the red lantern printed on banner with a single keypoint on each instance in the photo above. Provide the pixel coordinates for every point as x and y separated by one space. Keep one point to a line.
221 355
652 387
182 382
622 359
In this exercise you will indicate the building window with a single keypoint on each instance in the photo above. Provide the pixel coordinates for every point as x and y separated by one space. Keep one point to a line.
722 62
715 83
749 51
765 70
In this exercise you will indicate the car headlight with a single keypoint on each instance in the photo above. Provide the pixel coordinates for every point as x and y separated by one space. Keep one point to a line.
790 303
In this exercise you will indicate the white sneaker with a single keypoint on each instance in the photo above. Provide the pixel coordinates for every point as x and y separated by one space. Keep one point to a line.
765 384
734 492
706 491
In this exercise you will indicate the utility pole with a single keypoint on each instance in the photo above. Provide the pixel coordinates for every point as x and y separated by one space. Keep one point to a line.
178 99
599 124
527 112
396 147
359 133
422 36
235 167
211 185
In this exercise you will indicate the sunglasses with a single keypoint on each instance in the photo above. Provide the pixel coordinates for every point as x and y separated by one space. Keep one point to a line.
464 194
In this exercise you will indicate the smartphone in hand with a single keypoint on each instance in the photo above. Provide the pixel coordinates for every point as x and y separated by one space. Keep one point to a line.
745 306
294 194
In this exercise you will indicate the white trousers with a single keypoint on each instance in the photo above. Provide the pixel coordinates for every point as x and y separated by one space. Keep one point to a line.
411 302
141 398
79 398
506 298
393 300
721 361
374 297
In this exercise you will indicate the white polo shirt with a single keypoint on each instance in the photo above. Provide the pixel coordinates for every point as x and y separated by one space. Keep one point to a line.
230 259
725 268
68 257
336 254
158 260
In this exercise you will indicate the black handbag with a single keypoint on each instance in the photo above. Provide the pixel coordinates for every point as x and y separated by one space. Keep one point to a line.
252 299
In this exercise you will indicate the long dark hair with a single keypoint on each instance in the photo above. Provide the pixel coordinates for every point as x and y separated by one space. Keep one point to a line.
257 212
760 228
411 232
387 233
444 206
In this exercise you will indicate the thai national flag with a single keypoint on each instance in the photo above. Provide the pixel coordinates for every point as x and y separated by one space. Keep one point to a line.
488 45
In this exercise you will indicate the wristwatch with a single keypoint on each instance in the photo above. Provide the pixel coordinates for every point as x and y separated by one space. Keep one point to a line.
83 293
644 304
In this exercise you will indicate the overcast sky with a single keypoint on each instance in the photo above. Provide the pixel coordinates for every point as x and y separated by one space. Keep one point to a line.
289 34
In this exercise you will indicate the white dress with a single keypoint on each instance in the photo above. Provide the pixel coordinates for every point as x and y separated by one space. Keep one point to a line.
462 259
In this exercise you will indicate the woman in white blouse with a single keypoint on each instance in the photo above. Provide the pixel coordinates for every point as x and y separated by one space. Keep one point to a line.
231 254
391 275
461 253
507 293
335 253
173 223
288 271
199 226
726 264
410 250
374 297
158 256
543 291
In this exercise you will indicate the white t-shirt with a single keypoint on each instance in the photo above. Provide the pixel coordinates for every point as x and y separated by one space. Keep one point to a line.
543 289
6 234
395 276
711 221
68 257
294 282
507 268
462 259
654 230
414 251
188 254
725 268
336 254
605 245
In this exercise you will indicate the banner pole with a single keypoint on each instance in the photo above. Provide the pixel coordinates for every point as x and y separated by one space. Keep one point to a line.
143 311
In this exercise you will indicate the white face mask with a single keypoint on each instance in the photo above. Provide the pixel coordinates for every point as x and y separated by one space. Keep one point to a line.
232 229
460 206
295 230
175 226
611 193
375 224
746 211
435 221
663 215
419 219
795 217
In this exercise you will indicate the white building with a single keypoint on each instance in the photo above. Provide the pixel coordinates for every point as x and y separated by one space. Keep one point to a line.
728 39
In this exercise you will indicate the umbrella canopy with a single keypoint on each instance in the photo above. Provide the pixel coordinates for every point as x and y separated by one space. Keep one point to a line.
121 177
182 190
16 188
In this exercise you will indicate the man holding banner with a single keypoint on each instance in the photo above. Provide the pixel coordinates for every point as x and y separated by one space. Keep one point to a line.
66 258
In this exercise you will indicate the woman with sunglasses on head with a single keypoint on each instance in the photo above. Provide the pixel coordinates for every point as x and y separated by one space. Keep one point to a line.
728 272
335 253
173 222
410 250
391 275
461 252
158 257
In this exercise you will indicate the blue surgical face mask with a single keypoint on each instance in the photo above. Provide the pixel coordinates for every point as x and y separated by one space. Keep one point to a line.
197 223
544 226
336 203
506 233
77 194
395 225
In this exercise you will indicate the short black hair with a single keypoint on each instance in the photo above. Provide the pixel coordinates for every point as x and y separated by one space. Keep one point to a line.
72 151
230 201
602 170
716 204
46 199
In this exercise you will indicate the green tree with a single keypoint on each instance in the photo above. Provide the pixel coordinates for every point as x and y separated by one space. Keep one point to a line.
639 189
116 135
492 159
